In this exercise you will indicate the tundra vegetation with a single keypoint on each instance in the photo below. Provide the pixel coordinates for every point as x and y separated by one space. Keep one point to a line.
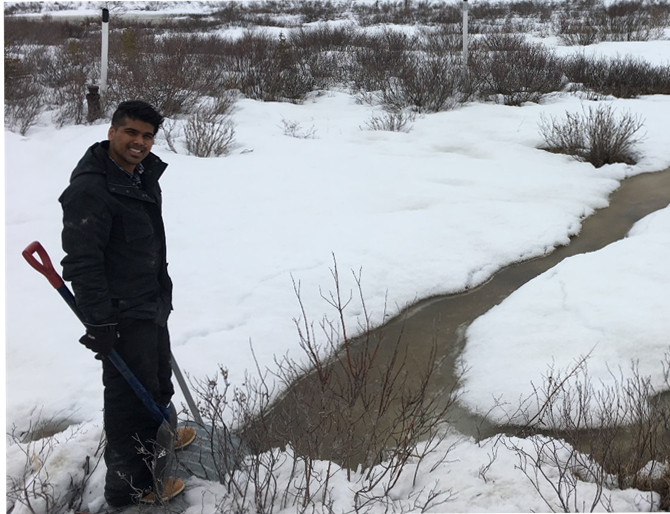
188 67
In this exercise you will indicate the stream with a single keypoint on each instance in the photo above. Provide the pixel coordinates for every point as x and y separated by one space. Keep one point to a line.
637 197
432 331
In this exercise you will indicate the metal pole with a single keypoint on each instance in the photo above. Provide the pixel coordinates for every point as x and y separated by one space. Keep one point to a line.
105 50
187 394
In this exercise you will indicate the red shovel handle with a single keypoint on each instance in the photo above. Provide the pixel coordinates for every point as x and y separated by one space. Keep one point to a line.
44 266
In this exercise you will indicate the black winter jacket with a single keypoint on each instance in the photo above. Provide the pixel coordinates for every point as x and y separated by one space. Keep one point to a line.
114 240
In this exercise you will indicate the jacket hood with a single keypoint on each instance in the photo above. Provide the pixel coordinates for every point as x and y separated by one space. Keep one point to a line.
96 161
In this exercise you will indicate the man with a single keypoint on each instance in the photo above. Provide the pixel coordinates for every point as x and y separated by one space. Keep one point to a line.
114 240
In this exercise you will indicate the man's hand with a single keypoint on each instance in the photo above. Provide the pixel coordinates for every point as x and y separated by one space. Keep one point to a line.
100 338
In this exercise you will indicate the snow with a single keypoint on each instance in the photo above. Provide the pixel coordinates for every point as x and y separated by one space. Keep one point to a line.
435 210
609 304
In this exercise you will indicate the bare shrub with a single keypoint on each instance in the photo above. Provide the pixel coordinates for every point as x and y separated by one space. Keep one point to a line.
442 40
395 121
208 70
554 462
354 403
242 57
34 30
171 132
250 473
631 21
268 69
325 52
623 77
515 70
490 11
386 13
23 97
427 84
157 70
595 135
64 76
322 37
21 113
577 31
294 129
428 13
619 21
377 57
329 69
317 11
209 134
289 77
370 68
37 488
611 437
585 72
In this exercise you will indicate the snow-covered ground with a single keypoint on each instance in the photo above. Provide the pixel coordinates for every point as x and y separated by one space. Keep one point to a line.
431 211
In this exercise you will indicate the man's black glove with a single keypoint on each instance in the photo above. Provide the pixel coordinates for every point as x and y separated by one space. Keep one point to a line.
100 338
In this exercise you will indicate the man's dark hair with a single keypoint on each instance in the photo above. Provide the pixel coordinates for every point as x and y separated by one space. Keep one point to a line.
137 110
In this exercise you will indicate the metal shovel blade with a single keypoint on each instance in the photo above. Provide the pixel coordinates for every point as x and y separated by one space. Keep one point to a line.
215 454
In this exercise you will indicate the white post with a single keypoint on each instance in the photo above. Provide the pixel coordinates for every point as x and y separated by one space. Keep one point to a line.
105 50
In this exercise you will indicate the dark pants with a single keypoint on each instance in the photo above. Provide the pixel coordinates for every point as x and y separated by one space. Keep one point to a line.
129 426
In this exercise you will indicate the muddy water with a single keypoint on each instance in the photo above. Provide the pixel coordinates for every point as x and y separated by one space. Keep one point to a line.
450 315
438 323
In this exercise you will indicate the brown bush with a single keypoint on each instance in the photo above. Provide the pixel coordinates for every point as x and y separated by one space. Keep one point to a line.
595 135
610 436
377 57
424 84
271 70
621 21
157 70
510 68
623 77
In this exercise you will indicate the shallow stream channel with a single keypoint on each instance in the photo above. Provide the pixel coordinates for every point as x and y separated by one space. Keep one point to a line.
430 331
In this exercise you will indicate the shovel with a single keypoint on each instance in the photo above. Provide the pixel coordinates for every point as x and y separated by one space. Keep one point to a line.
164 416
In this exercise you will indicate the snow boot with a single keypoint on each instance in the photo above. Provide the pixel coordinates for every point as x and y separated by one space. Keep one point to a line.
173 486
185 436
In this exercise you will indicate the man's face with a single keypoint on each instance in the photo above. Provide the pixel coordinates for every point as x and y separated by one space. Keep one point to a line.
130 142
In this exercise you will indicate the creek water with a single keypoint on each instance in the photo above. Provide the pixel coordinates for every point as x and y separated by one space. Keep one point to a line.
448 316
432 330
